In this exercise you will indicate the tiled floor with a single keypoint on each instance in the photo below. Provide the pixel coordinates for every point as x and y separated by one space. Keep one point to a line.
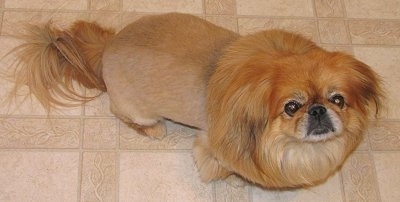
86 154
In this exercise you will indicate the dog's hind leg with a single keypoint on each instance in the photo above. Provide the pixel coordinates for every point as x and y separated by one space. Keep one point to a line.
151 127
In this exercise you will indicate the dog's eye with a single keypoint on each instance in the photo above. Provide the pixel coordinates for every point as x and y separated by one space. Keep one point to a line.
291 107
338 100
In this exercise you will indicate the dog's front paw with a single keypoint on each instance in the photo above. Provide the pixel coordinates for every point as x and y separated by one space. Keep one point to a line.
209 167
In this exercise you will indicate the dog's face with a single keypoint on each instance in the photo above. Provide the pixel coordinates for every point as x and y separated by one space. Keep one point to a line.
318 106
288 119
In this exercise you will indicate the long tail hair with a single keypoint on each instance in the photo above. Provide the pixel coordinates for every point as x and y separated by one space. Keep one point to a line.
51 60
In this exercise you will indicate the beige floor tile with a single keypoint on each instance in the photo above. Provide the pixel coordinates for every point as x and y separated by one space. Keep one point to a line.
38 176
1 17
307 28
359 178
153 176
329 8
220 6
385 135
109 20
47 4
385 61
333 32
329 191
389 9
100 133
99 177
39 133
364 145
178 137
13 21
105 5
275 8
388 169
99 106
375 32
232 189
184 6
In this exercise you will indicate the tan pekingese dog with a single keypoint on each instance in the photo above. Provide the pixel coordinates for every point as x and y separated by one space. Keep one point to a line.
272 107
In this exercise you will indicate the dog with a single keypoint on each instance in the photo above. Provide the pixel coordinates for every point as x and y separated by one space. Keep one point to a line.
271 107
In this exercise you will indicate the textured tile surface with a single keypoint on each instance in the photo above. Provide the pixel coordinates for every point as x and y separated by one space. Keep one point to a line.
38 176
385 135
375 32
390 9
46 4
307 28
99 176
146 176
359 178
87 154
185 6
388 169
62 19
105 5
329 191
232 189
329 8
333 32
275 8
220 6
39 133
100 133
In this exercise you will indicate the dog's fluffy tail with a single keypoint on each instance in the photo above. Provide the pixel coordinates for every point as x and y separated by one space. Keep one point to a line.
51 60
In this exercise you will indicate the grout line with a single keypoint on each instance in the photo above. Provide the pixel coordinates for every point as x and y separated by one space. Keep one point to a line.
385 151
316 22
314 9
250 192
117 163
89 5
121 5
96 150
27 116
343 6
371 156
1 21
81 151
346 22
214 191
204 7
197 14
342 188
235 15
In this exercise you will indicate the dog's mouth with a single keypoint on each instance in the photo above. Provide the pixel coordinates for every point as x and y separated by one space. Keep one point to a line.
320 126
320 129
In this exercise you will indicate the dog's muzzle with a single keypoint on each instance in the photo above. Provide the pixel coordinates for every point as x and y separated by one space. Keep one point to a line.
319 122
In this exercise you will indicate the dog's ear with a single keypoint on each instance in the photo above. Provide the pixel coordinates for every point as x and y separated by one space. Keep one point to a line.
370 86
363 80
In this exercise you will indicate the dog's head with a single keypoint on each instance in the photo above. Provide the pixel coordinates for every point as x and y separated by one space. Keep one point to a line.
286 113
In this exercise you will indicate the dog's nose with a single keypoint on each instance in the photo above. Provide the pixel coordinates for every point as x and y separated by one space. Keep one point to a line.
317 110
